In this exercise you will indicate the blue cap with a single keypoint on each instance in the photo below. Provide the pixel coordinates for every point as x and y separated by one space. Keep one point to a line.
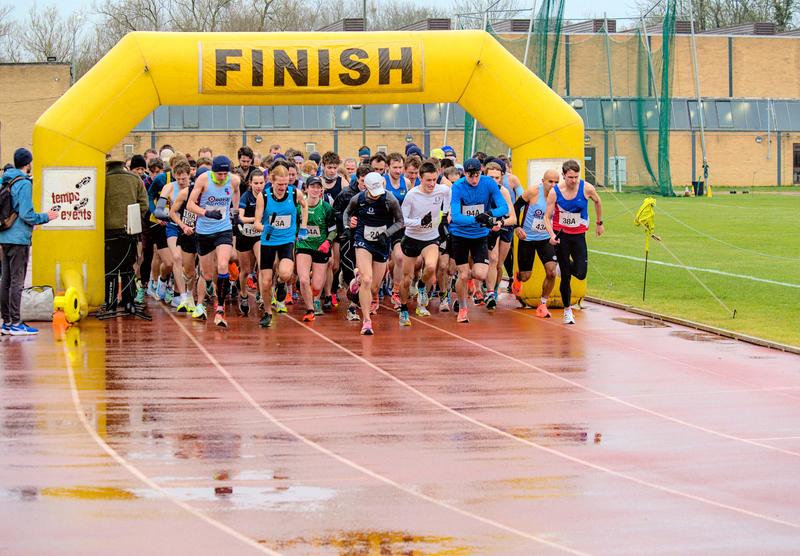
448 150
200 171
497 161
410 146
364 151
221 163
472 165
414 151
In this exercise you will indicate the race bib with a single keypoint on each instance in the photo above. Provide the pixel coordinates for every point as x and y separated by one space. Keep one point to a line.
248 230
189 218
371 233
569 219
313 231
472 210
538 225
283 222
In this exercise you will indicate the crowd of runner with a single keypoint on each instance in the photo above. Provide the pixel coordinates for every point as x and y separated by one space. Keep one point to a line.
318 231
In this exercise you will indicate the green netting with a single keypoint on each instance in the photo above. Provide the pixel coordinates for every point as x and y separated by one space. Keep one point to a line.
631 146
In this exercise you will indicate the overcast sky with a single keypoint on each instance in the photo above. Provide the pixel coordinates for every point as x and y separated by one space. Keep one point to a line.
575 9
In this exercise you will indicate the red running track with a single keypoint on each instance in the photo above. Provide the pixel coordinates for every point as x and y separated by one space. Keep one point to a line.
511 435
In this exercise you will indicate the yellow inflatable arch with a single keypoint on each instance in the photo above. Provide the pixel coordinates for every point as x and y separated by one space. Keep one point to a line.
145 70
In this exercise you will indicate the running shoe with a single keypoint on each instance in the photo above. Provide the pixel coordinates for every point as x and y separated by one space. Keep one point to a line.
373 307
542 312
444 304
455 305
568 318
251 283
366 328
259 301
477 297
5 330
309 316
175 301
183 304
318 307
289 299
396 301
516 286
22 329
491 301
199 312
355 283
165 294
244 305
404 320
266 320
327 304
422 311
462 315
413 289
140 293
422 297
234 289
280 307
219 318
352 313
334 301
152 290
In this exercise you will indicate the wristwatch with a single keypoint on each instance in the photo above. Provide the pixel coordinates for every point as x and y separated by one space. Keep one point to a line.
599 222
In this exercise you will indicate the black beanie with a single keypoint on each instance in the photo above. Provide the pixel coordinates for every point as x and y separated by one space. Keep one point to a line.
22 157
138 161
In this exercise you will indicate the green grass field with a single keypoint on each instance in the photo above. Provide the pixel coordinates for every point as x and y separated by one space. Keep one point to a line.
753 235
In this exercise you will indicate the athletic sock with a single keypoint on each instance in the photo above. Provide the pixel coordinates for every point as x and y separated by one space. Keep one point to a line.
404 306
223 283
543 300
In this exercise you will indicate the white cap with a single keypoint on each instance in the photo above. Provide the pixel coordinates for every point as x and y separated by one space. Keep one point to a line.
166 154
375 184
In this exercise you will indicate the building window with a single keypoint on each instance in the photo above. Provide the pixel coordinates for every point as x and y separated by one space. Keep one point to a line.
383 149
311 147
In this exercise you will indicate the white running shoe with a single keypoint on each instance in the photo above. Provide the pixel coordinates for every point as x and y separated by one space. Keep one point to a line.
568 318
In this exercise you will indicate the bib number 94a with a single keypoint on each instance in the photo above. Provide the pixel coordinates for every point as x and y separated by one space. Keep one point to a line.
472 210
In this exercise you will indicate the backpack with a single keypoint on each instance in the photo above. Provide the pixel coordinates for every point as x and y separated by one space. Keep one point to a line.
7 214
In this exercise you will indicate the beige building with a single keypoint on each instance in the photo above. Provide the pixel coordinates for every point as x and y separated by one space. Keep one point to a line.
26 91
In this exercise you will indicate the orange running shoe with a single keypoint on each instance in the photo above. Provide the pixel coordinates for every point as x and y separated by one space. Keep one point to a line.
289 300
462 315
251 284
233 271
516 286
309 316
542 312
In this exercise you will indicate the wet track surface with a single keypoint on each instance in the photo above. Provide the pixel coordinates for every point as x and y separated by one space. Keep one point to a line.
507 436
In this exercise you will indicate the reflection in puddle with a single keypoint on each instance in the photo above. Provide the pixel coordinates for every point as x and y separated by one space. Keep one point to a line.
369 543
645 323
697 336
77 492
560 432
292 498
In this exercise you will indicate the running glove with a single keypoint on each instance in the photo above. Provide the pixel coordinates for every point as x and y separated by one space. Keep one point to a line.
213 214
302 233
325 248
485 219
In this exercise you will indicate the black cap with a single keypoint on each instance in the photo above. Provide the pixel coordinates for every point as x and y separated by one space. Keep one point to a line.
315 156
313 180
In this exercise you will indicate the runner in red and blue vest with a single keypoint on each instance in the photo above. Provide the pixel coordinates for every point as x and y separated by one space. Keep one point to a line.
567 220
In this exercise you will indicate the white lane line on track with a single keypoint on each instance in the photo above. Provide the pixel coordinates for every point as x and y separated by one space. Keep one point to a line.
698 269
609 397
353 465
532 444
144 478
577 330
